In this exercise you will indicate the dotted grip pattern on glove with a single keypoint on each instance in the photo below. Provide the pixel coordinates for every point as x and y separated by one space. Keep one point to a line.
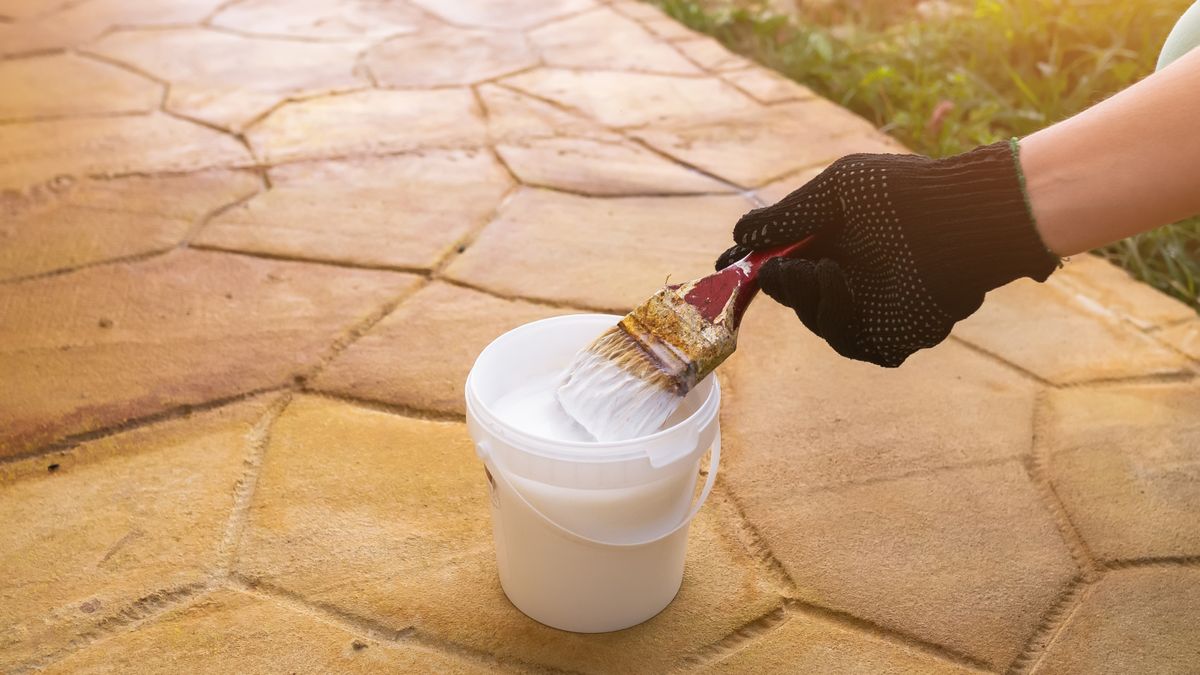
906 247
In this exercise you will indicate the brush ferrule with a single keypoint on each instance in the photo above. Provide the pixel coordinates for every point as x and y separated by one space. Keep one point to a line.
660 354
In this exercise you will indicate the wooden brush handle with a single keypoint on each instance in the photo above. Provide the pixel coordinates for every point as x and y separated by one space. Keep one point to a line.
739 281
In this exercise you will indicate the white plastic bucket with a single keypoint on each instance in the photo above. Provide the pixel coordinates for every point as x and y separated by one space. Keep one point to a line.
590 537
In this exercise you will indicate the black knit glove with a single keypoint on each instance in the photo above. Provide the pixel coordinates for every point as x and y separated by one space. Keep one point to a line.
906 246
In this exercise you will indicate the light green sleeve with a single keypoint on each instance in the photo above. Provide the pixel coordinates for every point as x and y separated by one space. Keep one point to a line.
1184 36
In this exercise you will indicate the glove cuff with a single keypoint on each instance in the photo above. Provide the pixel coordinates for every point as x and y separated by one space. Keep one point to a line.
993 239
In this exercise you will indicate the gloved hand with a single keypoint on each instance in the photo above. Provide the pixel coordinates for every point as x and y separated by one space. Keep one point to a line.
906 246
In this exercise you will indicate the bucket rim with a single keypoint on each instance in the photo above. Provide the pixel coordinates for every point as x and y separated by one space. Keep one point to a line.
633 448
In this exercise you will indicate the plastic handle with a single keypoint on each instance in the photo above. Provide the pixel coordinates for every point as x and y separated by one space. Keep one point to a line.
738 283
500 476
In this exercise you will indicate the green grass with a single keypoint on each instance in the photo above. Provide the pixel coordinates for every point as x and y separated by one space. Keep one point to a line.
975 72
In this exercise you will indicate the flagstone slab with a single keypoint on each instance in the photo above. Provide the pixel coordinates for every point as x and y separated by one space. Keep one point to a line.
847 421
1185 337
1125 461
767 86
1133 621
328 20
505 14
513 117
966 558
234 632
82 22
602 167
400 507
1110 289
573 43
229 80
20 9
419 355
36 152
49 86
448 56
606 253
108 523
634 99
710 54
104 345
1052 332
671 30
88 221
369 122
803 644
638 10
374 211
753 147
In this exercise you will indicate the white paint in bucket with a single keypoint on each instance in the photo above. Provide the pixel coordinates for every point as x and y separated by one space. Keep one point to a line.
590 537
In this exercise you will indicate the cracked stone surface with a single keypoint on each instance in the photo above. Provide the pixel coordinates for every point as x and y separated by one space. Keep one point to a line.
1134 621
229 80
752 147
1100 348
1105 288
49 86
448 56
572 43
388 211
430 372
513 117
602 167
1184 337
506 14
966 557
710 55
249 251
75 223
985 417
369 122
633 99
1126 463
89 543
329 20
35 152
804 644
108 344
616 246
766 86
228 629
72 24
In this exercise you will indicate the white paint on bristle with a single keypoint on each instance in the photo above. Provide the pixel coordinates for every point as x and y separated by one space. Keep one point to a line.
612 403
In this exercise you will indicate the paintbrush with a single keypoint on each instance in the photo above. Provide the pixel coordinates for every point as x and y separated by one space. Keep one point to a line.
628 381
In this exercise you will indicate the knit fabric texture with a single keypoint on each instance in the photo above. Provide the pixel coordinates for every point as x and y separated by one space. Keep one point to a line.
906 247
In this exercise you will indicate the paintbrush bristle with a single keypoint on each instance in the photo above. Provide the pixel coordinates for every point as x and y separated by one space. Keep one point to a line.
630 379
617 389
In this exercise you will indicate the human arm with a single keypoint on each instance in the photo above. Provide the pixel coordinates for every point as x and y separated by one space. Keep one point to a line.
910 245
1126 165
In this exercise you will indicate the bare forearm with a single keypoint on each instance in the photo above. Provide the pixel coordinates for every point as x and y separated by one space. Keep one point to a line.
1124 166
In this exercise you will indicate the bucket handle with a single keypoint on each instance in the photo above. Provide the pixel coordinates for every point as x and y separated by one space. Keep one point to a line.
497 472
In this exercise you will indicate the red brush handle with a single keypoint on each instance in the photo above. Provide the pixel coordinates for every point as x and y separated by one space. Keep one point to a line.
739 281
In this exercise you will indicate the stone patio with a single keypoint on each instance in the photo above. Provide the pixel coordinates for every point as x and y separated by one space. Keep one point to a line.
249 250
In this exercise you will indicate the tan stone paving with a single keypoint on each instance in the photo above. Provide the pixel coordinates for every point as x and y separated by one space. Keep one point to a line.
249 249
338 210
370 122
48 86
229 80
